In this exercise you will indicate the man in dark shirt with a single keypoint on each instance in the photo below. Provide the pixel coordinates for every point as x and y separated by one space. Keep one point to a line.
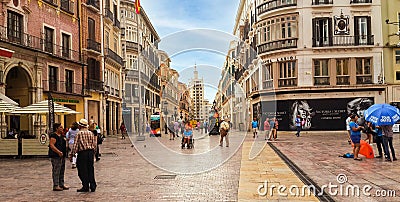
57 154
85 145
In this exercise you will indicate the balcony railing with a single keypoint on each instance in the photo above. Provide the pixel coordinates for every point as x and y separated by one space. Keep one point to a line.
277 45
268 84
343 80
117 23
108 14
68 6
274 4
344 41
93 45
94 3
38 44
287 82
114 56
133 45
364 79
94 85
360 1
319 81
322 2
62 87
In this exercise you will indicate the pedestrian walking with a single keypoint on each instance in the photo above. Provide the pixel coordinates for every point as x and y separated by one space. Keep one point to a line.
379 141
272 129
205 126
348 128
92 128
85 145
254 126
276 126
388 142
267 128
57 154
71 139
176 128
298 125
355 135
224 132
122 128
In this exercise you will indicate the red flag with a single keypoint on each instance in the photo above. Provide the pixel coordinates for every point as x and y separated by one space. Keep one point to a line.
137 6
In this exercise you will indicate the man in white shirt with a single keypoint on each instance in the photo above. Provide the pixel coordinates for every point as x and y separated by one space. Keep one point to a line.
224 132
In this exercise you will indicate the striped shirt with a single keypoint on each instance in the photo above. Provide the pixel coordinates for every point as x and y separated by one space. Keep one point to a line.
84 140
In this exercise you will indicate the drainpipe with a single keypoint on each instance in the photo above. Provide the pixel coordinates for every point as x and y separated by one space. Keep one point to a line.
80 48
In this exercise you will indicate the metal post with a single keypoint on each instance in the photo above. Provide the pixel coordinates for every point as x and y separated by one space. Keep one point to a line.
140 137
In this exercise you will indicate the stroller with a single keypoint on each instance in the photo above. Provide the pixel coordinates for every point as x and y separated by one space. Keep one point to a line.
187 139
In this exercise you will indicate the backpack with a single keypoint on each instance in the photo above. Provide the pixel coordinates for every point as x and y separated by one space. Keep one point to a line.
347 155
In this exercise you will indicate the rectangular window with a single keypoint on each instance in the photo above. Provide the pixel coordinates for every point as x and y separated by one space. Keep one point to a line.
14 26
397 56
363 71
397 75
342 72
362 30
287 74
69 81
267 76
321 72
66 41
106 39
91 29
53 78
49 39
322 32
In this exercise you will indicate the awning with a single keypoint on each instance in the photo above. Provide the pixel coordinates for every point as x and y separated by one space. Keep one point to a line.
7 99
43 108
6 107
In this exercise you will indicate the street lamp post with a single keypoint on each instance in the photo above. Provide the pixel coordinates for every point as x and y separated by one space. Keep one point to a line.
175 114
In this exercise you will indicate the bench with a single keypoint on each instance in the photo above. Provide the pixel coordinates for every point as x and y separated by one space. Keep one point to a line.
32 147
8 147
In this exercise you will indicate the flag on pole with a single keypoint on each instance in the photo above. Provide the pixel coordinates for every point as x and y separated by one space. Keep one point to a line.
137 6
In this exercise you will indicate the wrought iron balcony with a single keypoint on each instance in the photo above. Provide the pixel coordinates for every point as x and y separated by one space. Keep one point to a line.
360 1
277 45
344 41
108 14
342 80
92 84
117 23
322 80
322 2
67 6
94 45
114 56
39 44
287 82
364 79
133 45
268 84
62 87
274 4
94 3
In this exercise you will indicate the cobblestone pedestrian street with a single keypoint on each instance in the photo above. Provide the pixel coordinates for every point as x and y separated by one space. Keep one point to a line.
123 174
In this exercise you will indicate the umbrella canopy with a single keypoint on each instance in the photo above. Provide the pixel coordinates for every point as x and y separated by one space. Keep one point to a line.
43 108
7 107
382 114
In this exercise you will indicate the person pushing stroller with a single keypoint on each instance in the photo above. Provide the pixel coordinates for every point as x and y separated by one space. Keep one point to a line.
187 138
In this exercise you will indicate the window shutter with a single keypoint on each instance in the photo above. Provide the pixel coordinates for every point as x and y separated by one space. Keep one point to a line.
370 40
356 31
314 36
330 37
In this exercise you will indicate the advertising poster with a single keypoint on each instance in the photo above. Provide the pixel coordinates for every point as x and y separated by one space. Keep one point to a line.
319 114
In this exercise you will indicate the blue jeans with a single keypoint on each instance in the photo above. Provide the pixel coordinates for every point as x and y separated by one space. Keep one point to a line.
388 142
298 130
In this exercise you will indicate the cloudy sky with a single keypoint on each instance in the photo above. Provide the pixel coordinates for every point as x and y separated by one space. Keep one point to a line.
194 32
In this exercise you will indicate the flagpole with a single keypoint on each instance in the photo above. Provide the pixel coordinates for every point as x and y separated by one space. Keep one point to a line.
137 6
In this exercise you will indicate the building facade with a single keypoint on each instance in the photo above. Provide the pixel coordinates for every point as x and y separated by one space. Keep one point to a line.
46 59
113 66
196 89
299 57
139 43
184 101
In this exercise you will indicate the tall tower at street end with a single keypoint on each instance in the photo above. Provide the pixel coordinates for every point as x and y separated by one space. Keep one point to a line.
196 87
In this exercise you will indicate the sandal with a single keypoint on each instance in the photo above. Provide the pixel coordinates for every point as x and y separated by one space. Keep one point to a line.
358 159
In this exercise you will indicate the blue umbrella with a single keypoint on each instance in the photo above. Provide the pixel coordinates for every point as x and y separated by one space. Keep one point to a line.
382 114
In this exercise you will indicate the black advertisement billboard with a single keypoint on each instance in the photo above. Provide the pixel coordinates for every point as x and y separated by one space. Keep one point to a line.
319 114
